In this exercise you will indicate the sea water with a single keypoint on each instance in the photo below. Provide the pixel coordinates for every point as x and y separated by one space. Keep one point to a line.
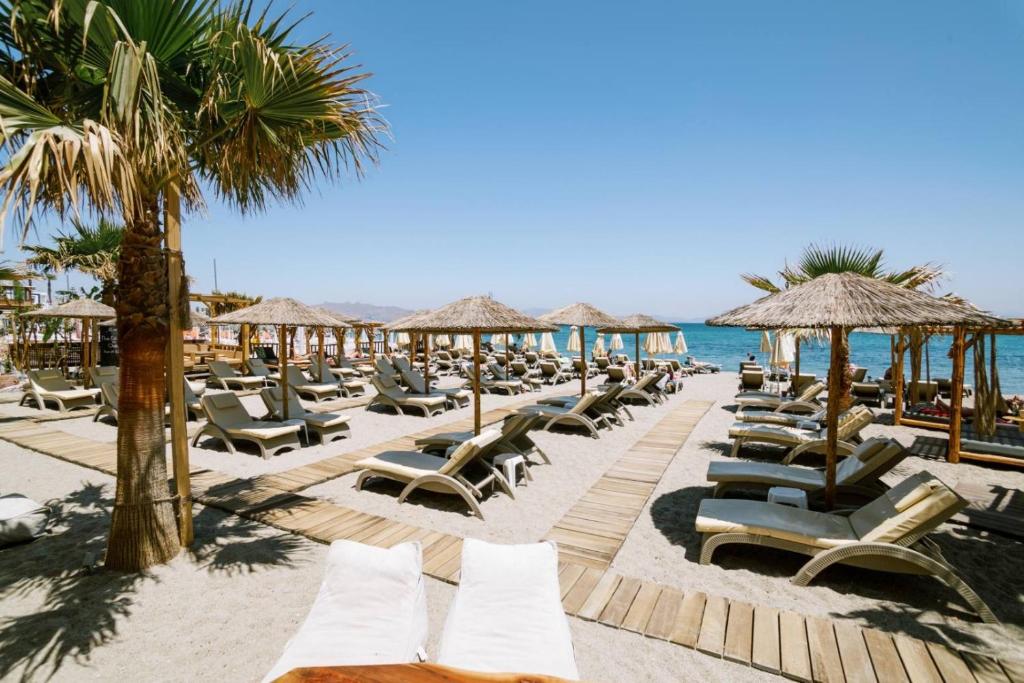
727 346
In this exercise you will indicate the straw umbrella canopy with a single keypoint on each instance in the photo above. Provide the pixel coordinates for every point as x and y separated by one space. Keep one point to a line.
88 311
839 302
680 347
283 313
582 316
475 315
636 324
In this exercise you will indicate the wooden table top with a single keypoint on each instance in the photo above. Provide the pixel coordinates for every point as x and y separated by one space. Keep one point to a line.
405 673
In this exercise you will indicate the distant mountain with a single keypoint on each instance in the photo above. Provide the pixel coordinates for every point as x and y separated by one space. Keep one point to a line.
366 311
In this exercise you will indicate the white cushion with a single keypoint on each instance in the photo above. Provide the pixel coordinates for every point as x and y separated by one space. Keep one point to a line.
507 614
21 519
371 609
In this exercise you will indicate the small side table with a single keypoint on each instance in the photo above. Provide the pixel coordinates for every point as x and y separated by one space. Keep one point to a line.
509 462
785 495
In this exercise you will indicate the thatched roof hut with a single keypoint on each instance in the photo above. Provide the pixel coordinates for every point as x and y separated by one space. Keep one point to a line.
638 322
472 314
278 311
76 308
580 315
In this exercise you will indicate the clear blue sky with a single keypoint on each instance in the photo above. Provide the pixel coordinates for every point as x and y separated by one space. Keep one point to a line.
640 155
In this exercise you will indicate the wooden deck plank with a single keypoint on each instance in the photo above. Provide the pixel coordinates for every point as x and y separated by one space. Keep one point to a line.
711 640
568 577
796 658
663 617
884 657
985 669
739 633
826 665
642 608
765 653
917 661
581 590
951 666
853 652
602 593
686 629
618 606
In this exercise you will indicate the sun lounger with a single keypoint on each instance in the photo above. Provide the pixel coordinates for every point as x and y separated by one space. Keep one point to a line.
867 392
417 383
645 390
701 366
800 382
257 368
314 391
364 369
514 437
326 373
348 384
436 473
887 534
224 376
579 367
389 394
858 374
583 414
102 374
507 613
799 441
532 358
552 372
766 399
529 377
371 609
500 382
752 379
446 365
327 426
193 403
109 394
857 474
50 385
228 421
609 402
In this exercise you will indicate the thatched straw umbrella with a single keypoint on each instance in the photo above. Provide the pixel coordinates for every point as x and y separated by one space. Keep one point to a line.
637 323
840 302
89 312
474 316
282 313
582 316
341 322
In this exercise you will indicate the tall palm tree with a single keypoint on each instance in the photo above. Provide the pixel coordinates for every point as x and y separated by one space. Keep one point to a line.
120 107
91 250
818 260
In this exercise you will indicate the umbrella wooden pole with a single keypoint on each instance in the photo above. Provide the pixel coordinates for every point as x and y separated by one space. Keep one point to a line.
86 349
583 362
476 382
897 372
636 341
320 353
283 367
832 416
369 336
956 397
426 363
796 368
246 340
175 369
94 333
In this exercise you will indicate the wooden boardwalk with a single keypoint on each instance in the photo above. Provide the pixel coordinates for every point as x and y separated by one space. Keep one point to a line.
799 647
594 529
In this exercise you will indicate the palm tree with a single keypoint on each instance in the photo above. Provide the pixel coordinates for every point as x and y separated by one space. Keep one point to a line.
817 260
91 250
124 108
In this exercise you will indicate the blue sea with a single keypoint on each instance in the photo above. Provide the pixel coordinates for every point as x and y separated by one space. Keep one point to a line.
727 346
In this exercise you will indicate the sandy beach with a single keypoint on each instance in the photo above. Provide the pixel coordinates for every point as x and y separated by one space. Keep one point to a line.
227 607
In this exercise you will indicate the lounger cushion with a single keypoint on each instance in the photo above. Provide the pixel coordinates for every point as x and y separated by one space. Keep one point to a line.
916 501
772 433
246 381
723 515
371 609
325 419
318 389
71 394
265 430
405 465
767 474
21 519
507 614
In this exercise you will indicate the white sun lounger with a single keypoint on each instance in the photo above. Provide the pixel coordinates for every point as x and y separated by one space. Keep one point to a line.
50 385
507 614
371 609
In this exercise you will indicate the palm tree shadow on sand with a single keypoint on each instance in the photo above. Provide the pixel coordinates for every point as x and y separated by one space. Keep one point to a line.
82 603
906 604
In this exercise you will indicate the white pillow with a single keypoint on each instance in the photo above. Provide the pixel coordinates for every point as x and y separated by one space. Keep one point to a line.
371 609
507 614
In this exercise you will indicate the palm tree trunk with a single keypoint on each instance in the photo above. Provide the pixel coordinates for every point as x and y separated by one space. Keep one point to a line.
143 530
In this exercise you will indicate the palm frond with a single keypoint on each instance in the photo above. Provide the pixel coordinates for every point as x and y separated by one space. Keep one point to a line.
761 282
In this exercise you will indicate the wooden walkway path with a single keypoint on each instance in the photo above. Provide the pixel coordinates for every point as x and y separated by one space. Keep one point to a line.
594 529
799 647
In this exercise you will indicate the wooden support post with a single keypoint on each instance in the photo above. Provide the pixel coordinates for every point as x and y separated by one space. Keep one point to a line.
897 375
370 334
796 369
246 340
583 362
320 354
174 372
426 363
636 342
956 398
476 382
339 343
283 369
835 372
86 348
94 333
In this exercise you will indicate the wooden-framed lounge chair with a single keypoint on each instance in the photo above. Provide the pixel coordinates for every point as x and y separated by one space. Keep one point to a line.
582 415
507 613
417 383
785 418
50 385
887 534
678 368
857 475
766 399
224 376
348 384
602 362
314 391
257 368
645 390
799 441
514 437
616 375
552 372
228 420
389 394
371 609
438 474
102 374
327 426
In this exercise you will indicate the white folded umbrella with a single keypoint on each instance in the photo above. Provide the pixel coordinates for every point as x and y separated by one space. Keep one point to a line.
599 346
547 343
616 343
680 347
574 340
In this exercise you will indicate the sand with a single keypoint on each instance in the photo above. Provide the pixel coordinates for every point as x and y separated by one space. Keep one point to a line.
226 608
